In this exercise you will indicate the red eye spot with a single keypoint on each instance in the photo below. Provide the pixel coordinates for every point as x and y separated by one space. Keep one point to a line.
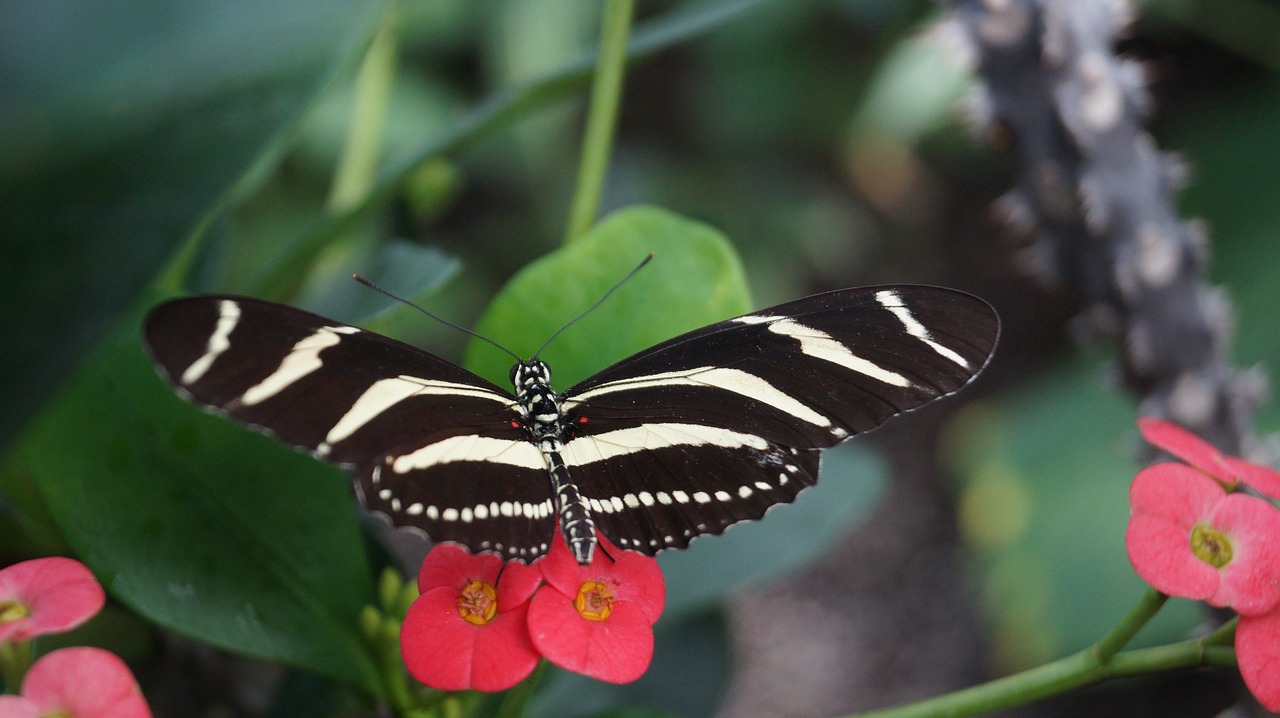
515 424
582 419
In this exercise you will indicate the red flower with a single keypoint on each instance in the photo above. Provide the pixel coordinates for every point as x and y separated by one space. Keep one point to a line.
598 620
1188 537
77 683
1258 653
46 595
1202 455
468 629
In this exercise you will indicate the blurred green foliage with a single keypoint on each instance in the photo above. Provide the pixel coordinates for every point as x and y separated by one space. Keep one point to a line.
193 146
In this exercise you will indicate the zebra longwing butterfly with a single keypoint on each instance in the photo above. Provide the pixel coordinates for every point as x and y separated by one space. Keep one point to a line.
683 439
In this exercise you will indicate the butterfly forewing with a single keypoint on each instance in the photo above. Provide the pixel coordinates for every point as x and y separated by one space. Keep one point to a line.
684 439
810 373
346 394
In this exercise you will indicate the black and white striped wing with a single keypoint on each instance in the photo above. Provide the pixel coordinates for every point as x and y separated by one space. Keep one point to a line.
433 445
715 426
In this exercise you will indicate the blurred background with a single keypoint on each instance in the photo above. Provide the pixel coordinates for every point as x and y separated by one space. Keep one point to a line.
827 140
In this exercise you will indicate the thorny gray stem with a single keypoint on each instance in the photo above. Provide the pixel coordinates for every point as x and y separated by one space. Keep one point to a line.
1095 200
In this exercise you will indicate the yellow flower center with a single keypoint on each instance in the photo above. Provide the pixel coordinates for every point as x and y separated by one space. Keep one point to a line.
1211 546
11 611
478 603
594 601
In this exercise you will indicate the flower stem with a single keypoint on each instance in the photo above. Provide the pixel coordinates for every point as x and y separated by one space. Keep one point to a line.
1097 663
602 115
513 703
1128 627
15 659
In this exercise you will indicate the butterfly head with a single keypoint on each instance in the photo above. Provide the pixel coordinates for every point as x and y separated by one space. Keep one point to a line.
531 375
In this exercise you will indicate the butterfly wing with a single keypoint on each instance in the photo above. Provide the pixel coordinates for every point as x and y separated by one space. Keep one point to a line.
718 425
432 444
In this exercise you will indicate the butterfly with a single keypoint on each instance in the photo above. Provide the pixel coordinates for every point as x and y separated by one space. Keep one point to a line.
683 439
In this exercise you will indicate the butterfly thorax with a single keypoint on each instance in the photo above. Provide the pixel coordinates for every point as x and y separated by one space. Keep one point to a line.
541 407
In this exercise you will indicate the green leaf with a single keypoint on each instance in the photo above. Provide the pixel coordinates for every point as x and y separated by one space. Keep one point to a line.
199 525
695 279
123 125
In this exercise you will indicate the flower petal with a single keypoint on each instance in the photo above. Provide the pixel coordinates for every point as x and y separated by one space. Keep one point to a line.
617 649
1262 479
1174 491
632 577
1258 653
451 565
85 683
1160 551
1182 444
59 593
1168 500
445 652
18 707
1250 583
1206 457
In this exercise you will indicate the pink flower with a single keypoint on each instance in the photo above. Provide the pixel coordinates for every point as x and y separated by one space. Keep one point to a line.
46 595
598 620
1202 455
468 629
1258 653
1188 537
77 683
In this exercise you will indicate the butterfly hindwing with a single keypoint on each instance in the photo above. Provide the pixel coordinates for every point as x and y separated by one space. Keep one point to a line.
738 479
484 487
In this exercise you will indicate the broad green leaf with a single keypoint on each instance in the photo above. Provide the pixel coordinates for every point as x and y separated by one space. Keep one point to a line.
199 525
122 125
695 279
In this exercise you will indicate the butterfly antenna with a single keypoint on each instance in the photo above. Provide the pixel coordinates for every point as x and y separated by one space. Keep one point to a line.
442 320
592 308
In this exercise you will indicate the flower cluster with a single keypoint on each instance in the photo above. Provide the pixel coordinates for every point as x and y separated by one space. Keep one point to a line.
1193 533
483 625
54 595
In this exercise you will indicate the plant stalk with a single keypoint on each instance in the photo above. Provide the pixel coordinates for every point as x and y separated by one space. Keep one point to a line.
602 117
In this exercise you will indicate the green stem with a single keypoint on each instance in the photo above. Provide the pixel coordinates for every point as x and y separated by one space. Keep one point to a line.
15 659
513 703
499 111
1224 635
359 164
1075 671
1118 637
1099 662
602 116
